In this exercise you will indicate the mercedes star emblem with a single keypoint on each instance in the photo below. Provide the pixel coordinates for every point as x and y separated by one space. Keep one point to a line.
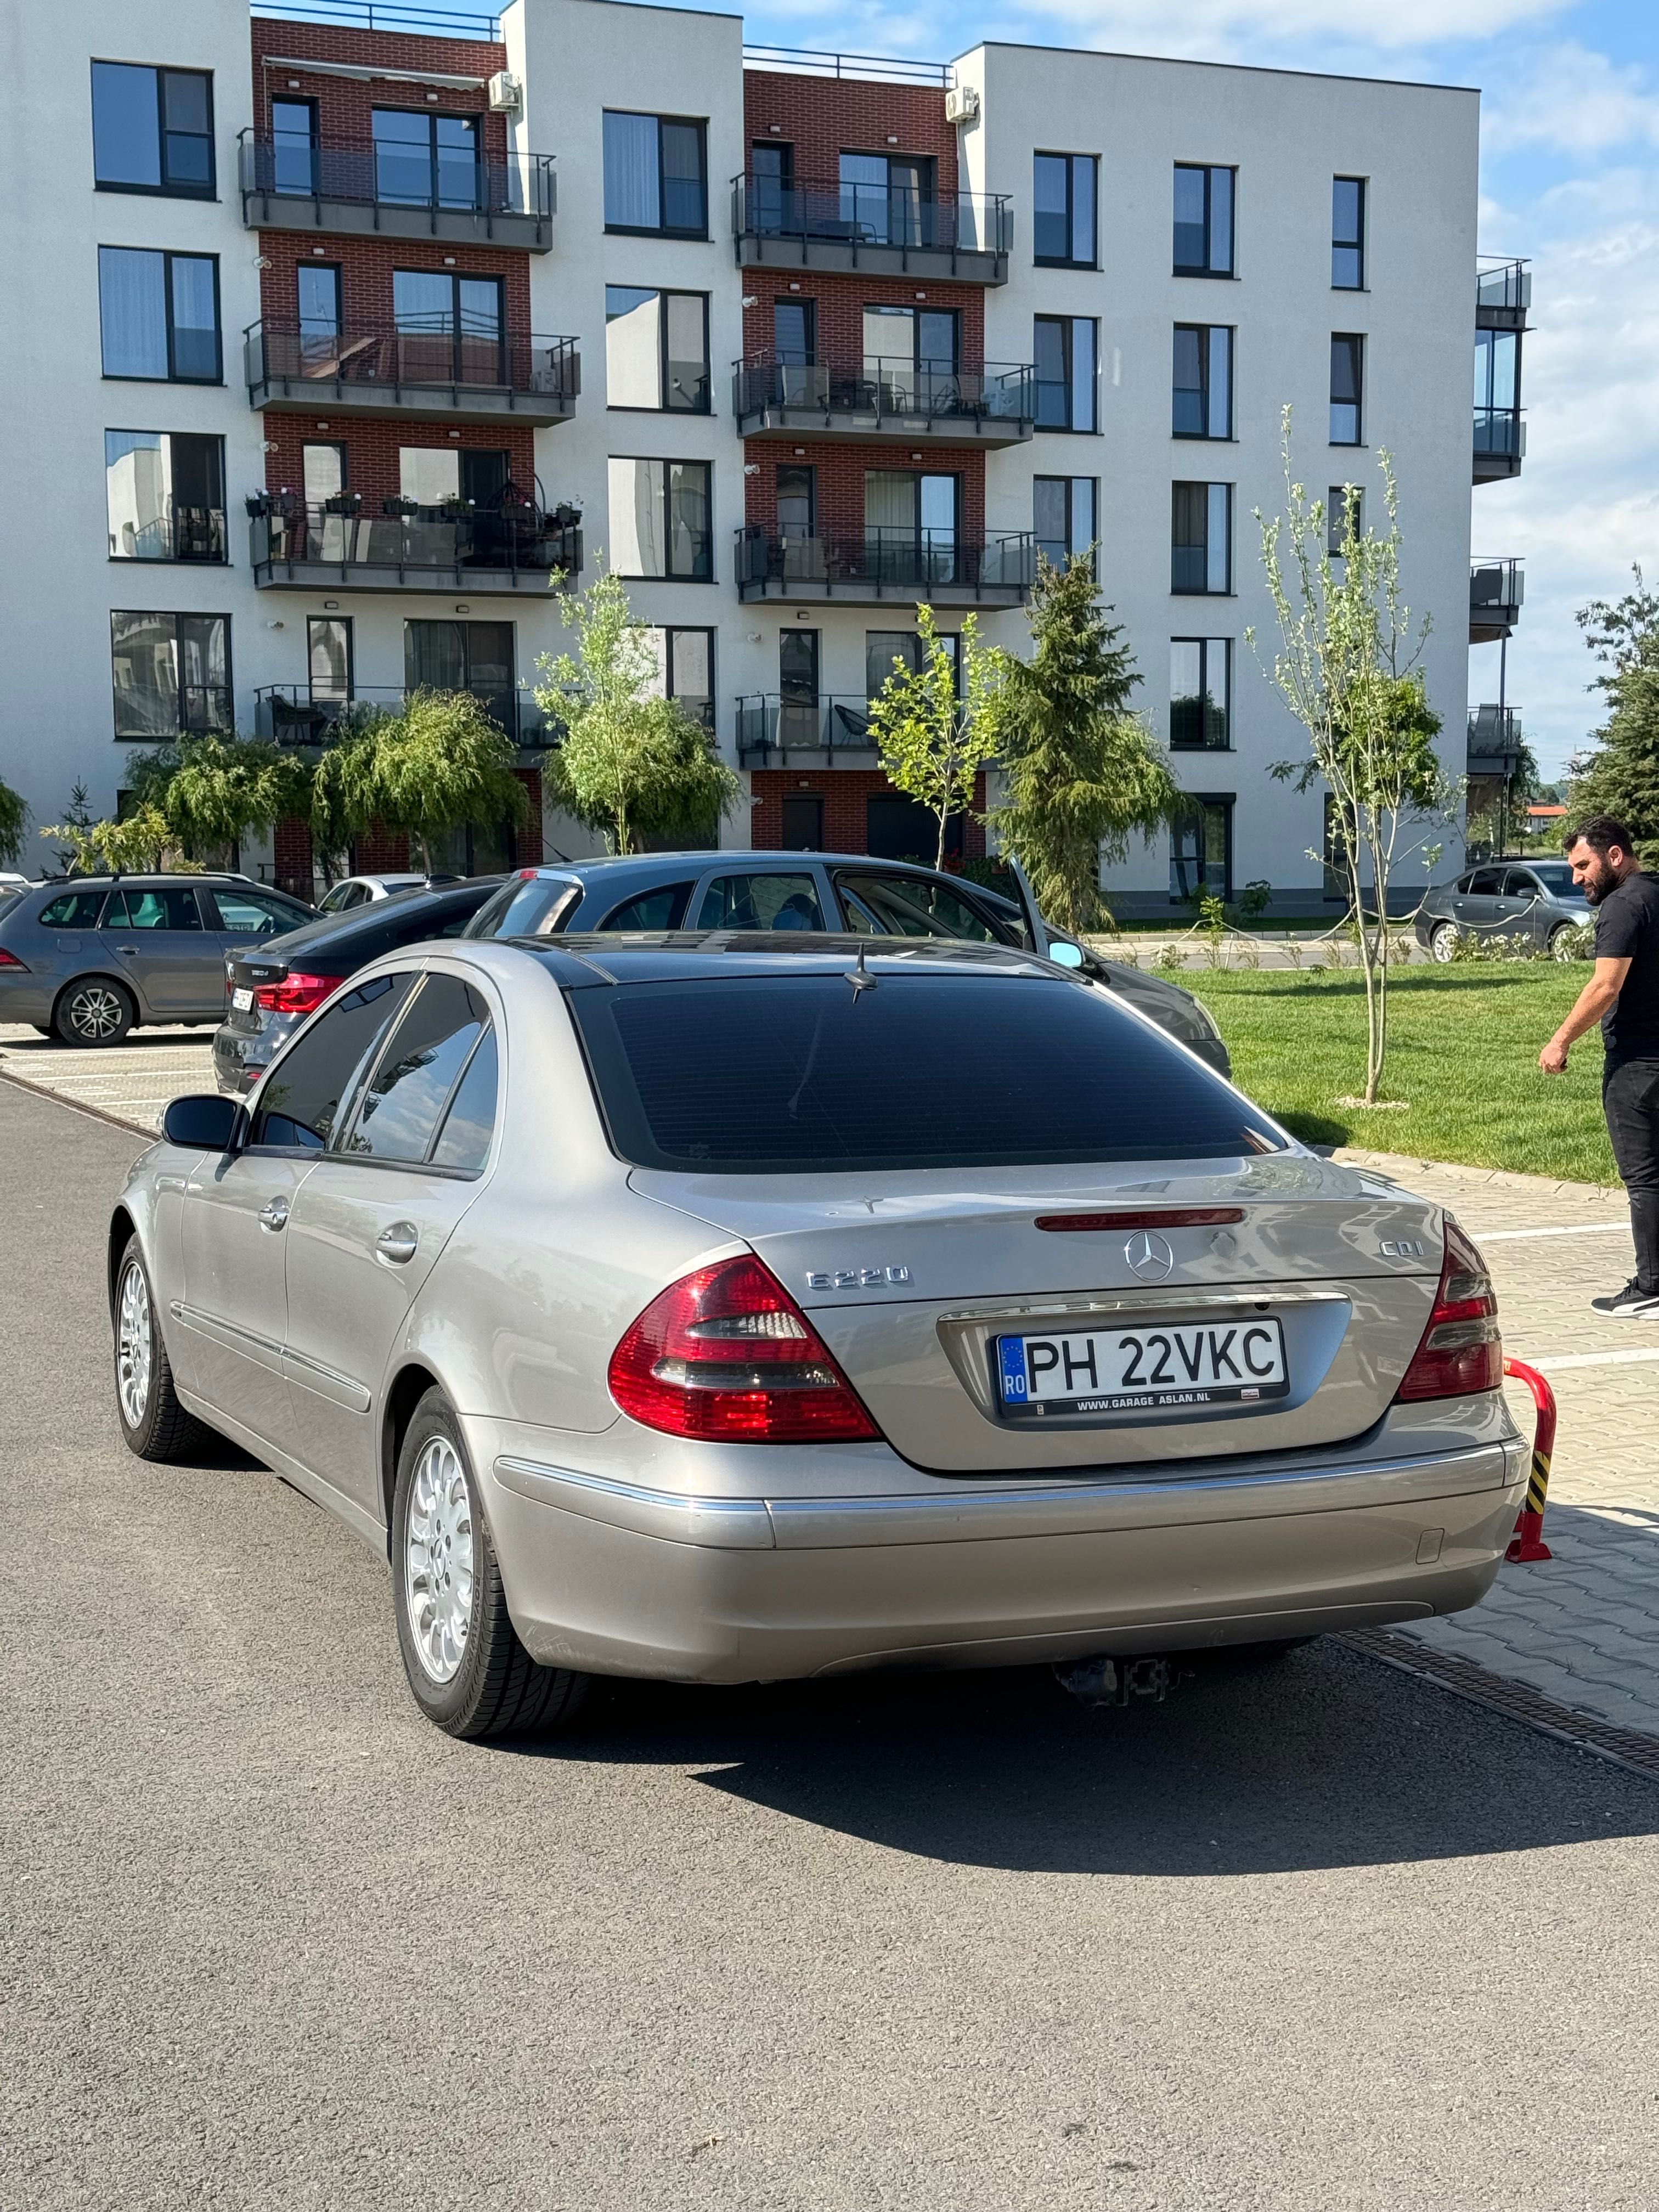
1149 1256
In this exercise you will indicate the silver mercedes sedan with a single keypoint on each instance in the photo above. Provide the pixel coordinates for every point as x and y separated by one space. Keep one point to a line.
719 1308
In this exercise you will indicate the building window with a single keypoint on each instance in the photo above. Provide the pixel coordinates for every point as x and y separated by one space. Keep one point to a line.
903 508
1340 837
159 315
1063 210
656 350
152 129
1201 851
293 146
655 175
1203 220
794 333
475 657
797 501
322 471
1200 694
164 494
888 199
659 519
428 161
1064 517
450 326
329 656
882 647
171 673
1064 350
1202 394
1347 368
1348 233
772 179
317 297
798 688
685 671
1201 539
1496 382
1336 515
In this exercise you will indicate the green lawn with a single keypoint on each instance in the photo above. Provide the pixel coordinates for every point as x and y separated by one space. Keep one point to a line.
1463 1052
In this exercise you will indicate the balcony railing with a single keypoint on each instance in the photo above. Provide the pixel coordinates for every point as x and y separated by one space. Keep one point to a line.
906 565
1500 442
1496 591
418 549
183 534
304 713
1503 294
376 365
768 723
995 402
358 185
1494 740
873 227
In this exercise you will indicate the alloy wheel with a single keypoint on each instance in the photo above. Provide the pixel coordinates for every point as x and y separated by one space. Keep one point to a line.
95 1013
438 1559
1443 944
134 1348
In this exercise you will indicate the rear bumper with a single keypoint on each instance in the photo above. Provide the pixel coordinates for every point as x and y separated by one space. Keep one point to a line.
25 998
612 1577
231 1070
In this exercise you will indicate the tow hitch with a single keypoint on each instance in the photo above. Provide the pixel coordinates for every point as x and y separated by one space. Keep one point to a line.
1116 1681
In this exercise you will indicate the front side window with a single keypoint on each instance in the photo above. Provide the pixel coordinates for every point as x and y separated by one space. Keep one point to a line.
655 174
307 1097
1064 518
1063 210
1201 539
255 913
910 906
171 673
656 350
1203 220
1064 349
1347 369
1201 851
659 519
761 901
422 160
1347 233
159 315
1202 390
1200 694
152 129
170 907
164 494
404 1101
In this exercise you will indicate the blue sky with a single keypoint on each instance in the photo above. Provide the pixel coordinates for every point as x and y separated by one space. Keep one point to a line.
1569 167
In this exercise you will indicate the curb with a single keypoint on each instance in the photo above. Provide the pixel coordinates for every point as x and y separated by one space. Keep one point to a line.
77 1105
1404 1164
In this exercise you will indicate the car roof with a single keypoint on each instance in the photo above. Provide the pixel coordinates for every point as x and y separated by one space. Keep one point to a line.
151 878
612 868
591 957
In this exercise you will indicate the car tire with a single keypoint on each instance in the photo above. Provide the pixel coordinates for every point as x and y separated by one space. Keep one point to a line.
1443 941
153 1422
94 1010
466 1668
1559 944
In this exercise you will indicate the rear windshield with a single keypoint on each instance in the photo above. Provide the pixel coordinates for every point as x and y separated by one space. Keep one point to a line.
765 1076
365 934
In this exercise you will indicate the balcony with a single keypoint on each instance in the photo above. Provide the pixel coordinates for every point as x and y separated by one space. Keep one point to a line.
904 567
1500 443
992 406
409 548
183 533
299 715
878 230
1503 294
1496 591
371 368
1494 742
771 728
384 190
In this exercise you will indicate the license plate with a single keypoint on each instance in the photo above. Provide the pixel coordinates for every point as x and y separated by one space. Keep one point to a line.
1141 1367
241 1001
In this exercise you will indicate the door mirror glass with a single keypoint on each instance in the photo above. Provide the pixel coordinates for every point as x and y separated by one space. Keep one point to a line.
1064 953
202 1124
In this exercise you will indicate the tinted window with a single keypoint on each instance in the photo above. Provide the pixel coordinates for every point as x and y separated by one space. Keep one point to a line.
659 909
72 911
1557 876
255 913
1486 883
407 1093
768 902
535 906
799 1073
910 906
464 1141
353 940
300 1099
152 909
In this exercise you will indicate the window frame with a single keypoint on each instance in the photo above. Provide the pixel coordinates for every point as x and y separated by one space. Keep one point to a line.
173 559
1355 341
665 462
313 142
1355 245
340 1136
1070 259
659 229
1071 483
1198 801
1067 326
183 728
1336 517
1203 696
1207 590
1206 334
669 632
664 294
435 200
160 72
167 255
1209 171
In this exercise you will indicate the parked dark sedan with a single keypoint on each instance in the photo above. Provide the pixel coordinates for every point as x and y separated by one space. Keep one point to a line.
839 893
1535 900
90 959
273 989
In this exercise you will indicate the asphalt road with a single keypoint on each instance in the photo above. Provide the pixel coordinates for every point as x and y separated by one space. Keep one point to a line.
1313 1936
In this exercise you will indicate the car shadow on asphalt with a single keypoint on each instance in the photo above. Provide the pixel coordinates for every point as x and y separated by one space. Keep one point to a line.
1323 1759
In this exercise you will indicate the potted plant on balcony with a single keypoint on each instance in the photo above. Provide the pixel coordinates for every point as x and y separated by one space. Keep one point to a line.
399 505
258 505
343 502
455 508
568 513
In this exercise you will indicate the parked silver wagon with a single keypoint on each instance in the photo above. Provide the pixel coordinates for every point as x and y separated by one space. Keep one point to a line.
715 1311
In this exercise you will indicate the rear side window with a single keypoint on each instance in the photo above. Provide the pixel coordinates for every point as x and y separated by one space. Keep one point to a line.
417 1073
910 906
463 1140
167 909
799 1074
72 911
761 901
657 909
300 1101
534 906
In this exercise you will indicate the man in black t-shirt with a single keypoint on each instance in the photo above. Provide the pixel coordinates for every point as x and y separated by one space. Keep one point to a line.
1623 995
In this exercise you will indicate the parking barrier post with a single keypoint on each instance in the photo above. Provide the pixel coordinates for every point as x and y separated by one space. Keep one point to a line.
1527 1544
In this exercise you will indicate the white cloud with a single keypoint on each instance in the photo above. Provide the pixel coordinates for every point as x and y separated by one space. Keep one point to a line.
1386 25
1574 101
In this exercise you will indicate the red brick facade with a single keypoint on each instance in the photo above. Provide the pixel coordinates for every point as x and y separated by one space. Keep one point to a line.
846 793
372 446
365 266
841 464
822 118
841 301
344 105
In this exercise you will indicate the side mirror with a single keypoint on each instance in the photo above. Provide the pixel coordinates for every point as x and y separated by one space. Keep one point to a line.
203 1125
1064 953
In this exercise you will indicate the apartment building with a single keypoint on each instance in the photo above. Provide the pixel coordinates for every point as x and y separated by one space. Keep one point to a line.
340 352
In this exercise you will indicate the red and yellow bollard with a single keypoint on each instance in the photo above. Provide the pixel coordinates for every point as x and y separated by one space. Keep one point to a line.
1527 1542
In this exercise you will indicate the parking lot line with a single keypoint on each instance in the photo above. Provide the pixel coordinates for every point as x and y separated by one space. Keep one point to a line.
1579 1228
1552 1366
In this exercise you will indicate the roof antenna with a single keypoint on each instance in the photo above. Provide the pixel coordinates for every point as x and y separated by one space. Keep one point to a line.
861 978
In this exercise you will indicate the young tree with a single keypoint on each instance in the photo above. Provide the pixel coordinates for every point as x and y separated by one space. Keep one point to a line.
214 790
14 821
934 740
1346 666
345 794
139 843
441 763
1620 777
632 763
1082 772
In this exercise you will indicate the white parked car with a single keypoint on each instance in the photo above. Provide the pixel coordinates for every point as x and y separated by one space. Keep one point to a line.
362 891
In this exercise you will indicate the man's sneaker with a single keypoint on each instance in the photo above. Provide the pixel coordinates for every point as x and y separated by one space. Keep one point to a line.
1631 1304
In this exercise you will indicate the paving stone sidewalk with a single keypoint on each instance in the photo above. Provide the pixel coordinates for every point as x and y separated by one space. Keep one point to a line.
131 1082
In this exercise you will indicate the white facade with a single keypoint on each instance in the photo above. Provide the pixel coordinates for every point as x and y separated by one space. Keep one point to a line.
1285 136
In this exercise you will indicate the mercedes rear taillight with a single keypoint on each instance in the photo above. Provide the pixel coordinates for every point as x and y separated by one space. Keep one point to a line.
296 993
727 1354
1461 1351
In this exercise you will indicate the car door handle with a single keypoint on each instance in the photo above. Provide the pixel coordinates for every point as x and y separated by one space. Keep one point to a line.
126 948
275 1215
397 1243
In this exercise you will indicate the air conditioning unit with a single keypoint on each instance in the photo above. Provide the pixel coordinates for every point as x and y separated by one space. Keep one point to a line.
504 93
962 104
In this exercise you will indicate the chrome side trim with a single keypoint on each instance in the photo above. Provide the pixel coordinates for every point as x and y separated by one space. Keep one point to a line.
728 1524
307 1374
262 1349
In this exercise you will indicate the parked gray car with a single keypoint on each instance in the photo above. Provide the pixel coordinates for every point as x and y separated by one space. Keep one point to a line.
1535 900
721 1313
92 958
841 893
